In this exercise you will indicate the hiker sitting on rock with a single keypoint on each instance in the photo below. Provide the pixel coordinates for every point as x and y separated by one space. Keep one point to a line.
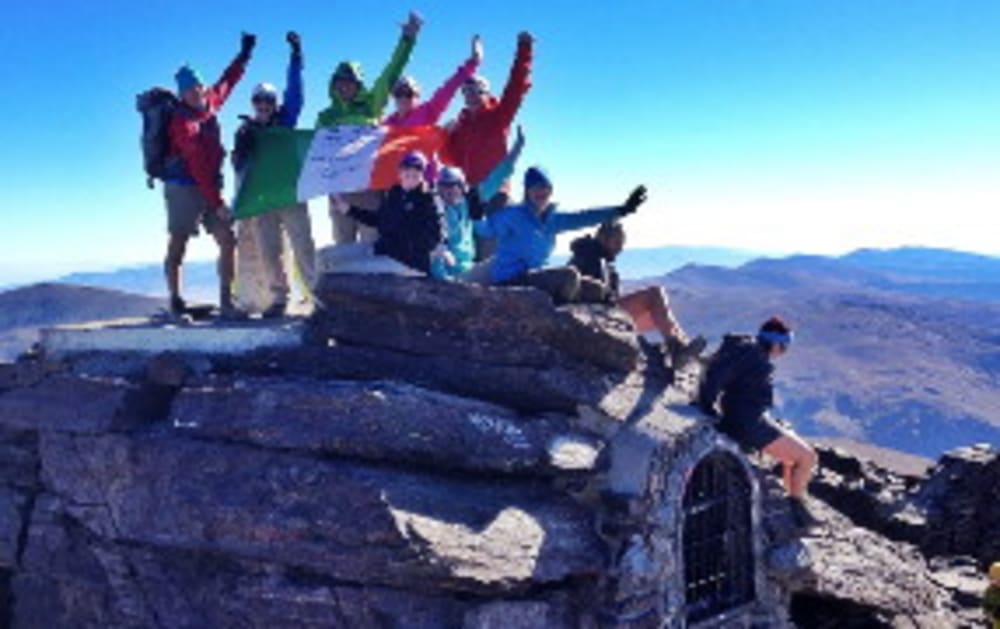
464 207
351 103
293 221
409 226
193 182
991 598
742 372
526 236
594 257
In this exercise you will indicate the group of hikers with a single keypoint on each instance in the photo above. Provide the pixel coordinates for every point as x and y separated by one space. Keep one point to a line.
449 217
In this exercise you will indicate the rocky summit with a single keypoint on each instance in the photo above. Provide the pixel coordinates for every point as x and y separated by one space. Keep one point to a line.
422 454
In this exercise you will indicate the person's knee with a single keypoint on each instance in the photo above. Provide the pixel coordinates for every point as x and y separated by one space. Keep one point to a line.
810 458
176 248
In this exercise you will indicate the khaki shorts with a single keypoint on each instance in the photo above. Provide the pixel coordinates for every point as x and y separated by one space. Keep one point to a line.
186 208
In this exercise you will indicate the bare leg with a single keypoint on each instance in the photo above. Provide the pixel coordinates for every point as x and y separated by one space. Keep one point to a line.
176 247
650 310
798 461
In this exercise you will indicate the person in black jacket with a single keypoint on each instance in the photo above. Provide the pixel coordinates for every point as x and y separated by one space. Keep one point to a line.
594 257
410 226
738 388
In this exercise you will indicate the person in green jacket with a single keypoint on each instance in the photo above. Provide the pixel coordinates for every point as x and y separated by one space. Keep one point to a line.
991 598
352 103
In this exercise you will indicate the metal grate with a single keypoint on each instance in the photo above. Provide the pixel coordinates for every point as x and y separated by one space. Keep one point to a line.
717 538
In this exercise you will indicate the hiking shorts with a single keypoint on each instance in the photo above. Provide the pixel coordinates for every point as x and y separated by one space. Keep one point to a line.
751 433
186 209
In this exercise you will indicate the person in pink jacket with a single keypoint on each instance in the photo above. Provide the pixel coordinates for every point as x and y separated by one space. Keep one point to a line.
410 112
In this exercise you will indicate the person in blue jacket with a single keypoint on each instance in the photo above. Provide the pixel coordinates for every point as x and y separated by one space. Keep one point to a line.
293 220
526 233
463 207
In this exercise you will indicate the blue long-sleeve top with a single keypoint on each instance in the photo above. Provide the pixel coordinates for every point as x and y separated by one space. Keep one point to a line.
526 239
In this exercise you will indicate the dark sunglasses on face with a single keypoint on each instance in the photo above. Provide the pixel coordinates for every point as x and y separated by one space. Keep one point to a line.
262 100
404 94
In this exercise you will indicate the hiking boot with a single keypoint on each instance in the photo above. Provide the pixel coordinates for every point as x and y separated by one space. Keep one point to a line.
683 354
803 515
277 310
178 307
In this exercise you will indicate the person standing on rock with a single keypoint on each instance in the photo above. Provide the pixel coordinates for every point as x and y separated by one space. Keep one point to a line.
991 598
293 221
409 226
351 103
464 207
526 237
742 372
193 182
594 257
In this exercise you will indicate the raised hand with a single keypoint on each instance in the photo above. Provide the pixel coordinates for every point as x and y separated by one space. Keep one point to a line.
518 141
477 49
294 41
247 43
524 37
413 24
637 198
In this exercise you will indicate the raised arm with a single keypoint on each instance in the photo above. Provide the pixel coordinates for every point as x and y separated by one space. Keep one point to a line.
438 103
291 106
394 69
494 181
233 73
519 81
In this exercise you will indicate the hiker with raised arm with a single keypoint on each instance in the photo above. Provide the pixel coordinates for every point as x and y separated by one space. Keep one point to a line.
594 257
268 229
464 206
408 223
526 233
738 388
352 103
193 178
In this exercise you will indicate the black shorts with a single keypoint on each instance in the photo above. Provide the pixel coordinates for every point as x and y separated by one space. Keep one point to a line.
752 433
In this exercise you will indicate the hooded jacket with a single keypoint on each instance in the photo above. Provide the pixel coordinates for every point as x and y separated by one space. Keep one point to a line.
287 115
196 151
367 105
409 226
478 139
743 374
525 239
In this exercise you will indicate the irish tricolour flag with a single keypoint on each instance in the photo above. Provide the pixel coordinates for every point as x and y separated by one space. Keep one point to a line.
289 166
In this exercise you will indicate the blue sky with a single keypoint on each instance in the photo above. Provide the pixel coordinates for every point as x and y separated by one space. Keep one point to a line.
772 125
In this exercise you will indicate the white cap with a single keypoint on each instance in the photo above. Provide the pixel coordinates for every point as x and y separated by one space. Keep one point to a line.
265 90
451 175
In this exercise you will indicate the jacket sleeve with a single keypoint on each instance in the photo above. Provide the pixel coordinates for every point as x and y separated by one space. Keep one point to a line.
363 216
569 221
495 180
487 227
184 138
517 86
438 103
390 74
230 77
291 106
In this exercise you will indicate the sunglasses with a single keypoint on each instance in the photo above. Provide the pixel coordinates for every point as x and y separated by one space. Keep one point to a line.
263 100
404 94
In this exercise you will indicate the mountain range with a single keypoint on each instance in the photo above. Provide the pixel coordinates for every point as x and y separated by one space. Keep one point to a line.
895 348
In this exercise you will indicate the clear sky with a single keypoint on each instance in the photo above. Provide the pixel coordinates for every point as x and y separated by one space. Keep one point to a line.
772 125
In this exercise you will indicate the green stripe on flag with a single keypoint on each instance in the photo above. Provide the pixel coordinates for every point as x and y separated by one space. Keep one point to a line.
272 177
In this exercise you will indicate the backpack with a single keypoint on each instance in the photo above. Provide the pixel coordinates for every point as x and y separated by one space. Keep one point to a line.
157 107
734 349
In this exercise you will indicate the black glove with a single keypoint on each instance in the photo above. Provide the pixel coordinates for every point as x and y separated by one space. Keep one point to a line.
295 42
247 43
637 198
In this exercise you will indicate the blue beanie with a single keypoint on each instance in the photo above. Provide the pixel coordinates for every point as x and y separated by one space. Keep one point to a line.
414 159
536 176
187 77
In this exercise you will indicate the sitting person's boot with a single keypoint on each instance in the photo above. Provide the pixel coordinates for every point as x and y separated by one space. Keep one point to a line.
683 353
804 518
656 358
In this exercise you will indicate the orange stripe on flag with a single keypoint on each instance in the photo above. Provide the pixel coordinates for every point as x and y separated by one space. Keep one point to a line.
397 143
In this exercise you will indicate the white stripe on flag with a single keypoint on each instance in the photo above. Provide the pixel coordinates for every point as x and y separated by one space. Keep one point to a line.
340 159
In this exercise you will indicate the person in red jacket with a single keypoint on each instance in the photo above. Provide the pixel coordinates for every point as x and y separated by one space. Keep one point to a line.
193 182
477 140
